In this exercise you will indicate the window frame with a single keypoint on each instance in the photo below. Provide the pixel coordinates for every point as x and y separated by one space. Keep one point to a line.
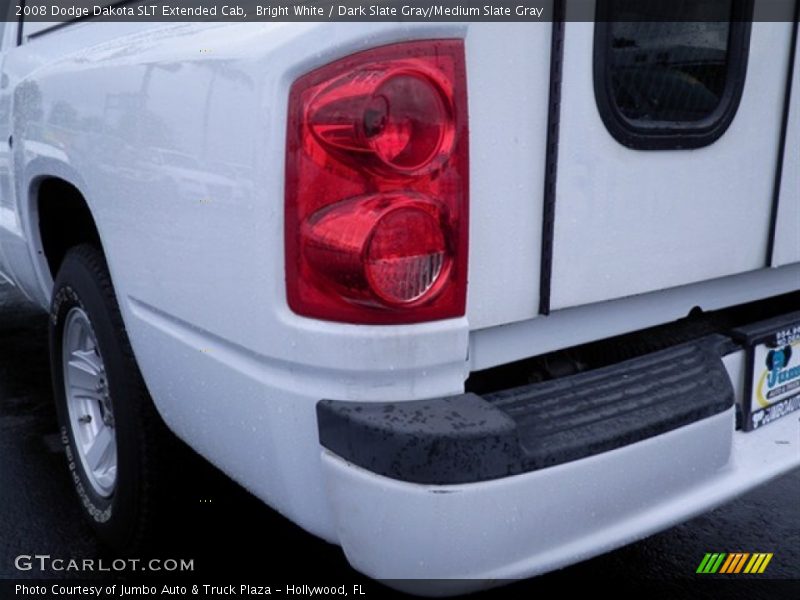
672 135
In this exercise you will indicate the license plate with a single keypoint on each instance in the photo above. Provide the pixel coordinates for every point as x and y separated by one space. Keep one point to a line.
772 387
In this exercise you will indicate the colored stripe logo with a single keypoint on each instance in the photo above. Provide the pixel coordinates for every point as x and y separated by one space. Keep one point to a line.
734 562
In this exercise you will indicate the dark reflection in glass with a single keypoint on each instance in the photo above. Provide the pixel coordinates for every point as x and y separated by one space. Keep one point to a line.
668 71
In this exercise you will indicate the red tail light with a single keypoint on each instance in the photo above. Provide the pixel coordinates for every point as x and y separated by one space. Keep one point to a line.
376 186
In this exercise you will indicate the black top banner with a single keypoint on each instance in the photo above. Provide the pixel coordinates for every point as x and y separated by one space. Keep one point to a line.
396 10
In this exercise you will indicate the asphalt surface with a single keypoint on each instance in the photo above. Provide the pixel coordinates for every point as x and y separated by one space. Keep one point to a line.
39 513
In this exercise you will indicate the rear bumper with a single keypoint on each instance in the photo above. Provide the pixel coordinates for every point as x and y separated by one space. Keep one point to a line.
520 526
469 438
405 520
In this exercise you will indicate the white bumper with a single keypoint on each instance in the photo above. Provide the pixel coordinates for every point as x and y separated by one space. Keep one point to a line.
516 527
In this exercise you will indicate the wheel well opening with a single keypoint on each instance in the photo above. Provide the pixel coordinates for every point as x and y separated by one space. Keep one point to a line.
64 221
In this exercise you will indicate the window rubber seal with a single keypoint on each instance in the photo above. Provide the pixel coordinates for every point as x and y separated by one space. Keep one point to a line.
672 135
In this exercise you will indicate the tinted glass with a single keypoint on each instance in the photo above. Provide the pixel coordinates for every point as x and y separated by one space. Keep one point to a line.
662 71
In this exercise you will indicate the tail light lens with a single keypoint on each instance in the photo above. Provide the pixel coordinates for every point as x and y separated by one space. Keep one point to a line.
376 186
399 119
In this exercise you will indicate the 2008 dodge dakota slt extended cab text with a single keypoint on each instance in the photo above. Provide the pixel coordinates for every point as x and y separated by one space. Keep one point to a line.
472 300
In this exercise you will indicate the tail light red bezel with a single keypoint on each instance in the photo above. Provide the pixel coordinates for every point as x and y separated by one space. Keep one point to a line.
322 177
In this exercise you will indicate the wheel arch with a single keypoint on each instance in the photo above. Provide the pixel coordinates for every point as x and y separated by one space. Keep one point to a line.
57 215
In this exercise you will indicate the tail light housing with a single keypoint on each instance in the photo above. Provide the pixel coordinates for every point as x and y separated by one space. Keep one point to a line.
377 186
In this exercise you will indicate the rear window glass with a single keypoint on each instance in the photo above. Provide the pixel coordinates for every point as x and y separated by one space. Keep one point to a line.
660 73
668 71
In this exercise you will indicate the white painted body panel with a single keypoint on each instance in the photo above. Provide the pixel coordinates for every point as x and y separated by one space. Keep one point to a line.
197 260
787 238
631 221
174 134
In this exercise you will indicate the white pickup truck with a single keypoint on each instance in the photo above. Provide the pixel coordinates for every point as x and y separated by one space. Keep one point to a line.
474 301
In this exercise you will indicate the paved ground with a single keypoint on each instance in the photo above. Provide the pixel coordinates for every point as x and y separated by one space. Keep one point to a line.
39 513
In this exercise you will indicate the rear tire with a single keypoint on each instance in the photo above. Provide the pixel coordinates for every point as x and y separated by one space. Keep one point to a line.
112 434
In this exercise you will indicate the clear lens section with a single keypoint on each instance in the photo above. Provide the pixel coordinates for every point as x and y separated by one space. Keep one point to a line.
405 279
406 255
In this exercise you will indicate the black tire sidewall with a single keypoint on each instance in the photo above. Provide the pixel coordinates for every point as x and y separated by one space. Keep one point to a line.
83 281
